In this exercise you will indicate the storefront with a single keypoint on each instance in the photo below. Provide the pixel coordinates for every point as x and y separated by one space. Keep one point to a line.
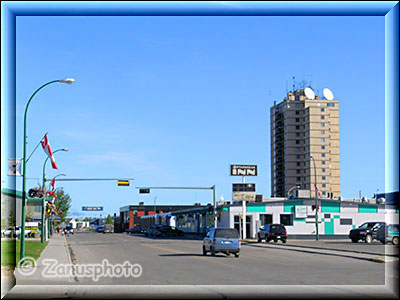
335 218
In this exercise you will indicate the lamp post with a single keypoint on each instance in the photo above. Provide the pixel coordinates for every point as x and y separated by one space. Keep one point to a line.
293 187
23 206
48 220
316 200
44 197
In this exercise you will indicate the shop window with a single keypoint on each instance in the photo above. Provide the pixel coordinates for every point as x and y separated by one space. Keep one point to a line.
286 220
265 219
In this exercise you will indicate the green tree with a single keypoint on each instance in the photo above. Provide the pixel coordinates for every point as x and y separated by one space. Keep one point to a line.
11 219
63 203
87 219
109 220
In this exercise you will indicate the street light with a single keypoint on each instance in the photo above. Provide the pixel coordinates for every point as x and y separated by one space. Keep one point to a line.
293 187
23 206
44 197
316 200
48 220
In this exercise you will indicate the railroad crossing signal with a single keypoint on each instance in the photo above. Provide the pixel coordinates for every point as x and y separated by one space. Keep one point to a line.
123 182
144 191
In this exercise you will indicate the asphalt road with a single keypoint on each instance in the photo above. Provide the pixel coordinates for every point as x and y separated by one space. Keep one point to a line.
177 261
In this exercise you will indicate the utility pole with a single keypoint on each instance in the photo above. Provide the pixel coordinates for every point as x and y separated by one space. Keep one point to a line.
244 215
316 200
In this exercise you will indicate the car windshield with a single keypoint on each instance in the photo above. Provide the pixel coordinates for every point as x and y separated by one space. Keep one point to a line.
226 233
276 227
366 225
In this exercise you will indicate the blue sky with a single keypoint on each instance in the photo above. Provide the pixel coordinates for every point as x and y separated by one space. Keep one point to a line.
173 101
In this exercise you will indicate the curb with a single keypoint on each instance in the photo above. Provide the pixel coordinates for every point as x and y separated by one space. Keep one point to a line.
380 260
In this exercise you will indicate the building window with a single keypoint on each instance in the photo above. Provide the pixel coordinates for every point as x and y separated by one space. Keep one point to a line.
322 117
298 178
297 142
322 131
322 124
323 178
297 119
297 134
331 104
297 112
287 220
323 140
324 185
297 105
297 164
323 147
297 156
297 149
265 219
322 154
323 162
297 171
323 193
38 208
322 109
323 170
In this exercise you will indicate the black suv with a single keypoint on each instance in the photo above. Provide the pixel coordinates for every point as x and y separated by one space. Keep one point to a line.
273 232
366 232
171 231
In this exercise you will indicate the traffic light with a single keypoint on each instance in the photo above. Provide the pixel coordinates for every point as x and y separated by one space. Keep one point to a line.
313 207
123 182
144 191
210 210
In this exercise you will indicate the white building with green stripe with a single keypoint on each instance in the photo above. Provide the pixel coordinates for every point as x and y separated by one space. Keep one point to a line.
335 218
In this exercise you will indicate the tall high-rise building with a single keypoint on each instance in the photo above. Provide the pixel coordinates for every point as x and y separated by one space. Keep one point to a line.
305 126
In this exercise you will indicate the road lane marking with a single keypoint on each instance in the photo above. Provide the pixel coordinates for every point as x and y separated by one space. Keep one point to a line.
180 252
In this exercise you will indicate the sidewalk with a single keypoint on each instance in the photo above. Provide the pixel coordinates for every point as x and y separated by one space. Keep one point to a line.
56 249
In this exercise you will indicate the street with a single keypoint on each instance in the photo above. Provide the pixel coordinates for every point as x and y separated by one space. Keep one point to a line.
180 261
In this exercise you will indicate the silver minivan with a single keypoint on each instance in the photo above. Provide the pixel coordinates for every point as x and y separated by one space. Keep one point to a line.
225 240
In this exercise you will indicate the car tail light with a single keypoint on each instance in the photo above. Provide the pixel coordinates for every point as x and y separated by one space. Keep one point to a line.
240 242
285 233
269 233
387 235
214 241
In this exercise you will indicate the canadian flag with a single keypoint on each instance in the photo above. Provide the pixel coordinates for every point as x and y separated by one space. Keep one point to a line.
47 150
319 193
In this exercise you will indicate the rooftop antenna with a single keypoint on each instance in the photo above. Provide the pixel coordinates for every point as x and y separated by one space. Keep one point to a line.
286 88
294 84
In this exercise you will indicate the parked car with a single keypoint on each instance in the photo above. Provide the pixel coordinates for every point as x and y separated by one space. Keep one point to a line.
100 229
15 231
136 229
153 231
108 228
69 229
170 231
388 233
272 232
225 240
11 231
366 232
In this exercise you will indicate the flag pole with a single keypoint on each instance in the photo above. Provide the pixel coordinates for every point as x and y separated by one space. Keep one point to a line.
36 147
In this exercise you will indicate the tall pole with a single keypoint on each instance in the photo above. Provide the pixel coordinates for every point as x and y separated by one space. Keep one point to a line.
215 205
23 206
43 235
244 227
316 200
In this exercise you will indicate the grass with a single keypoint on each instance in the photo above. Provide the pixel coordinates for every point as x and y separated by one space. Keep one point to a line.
10 251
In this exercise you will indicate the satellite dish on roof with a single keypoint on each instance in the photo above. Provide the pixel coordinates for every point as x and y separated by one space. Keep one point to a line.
328 94
309 93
